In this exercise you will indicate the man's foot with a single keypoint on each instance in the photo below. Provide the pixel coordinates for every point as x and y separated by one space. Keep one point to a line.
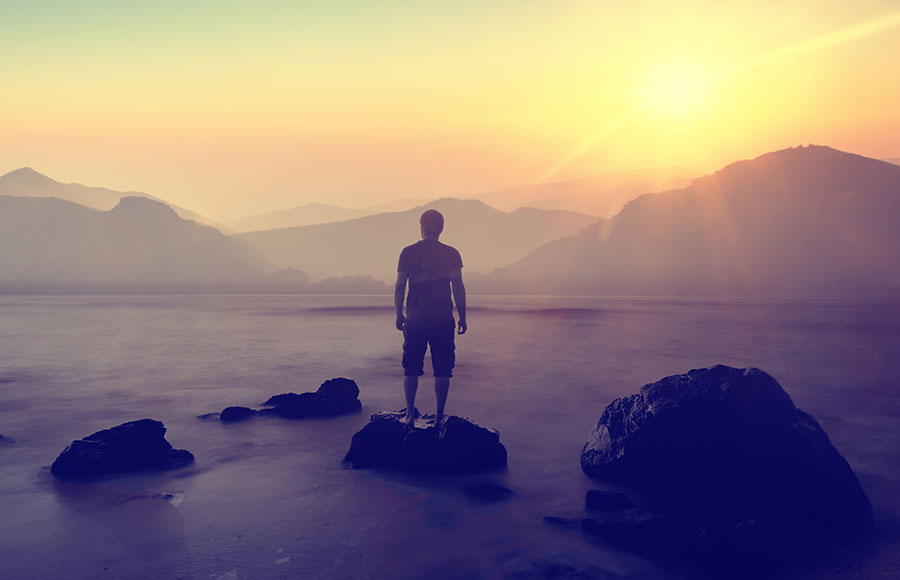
440 427
409 421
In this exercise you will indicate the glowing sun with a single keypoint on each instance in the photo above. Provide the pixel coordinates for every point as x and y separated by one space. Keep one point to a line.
680 90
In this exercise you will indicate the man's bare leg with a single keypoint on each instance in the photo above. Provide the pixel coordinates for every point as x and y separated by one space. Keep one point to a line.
410 386
441 388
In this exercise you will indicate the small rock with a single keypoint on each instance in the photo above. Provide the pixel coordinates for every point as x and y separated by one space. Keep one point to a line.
133 446
387 442
235 414
334 397
654 535
607 501
6 440
294 406
209 417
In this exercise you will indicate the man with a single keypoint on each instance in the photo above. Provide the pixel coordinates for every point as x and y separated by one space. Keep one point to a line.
433 271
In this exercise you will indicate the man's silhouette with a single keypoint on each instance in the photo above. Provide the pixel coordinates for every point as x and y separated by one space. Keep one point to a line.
432 269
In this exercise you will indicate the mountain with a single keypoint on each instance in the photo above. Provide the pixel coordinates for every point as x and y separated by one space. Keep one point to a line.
49 244
304 215
486 237
601 195
26 182
802 222
315 213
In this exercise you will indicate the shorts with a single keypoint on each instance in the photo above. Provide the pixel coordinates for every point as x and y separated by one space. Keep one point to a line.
416 339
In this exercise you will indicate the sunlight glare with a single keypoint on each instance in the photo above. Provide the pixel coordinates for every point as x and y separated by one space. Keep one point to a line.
678 91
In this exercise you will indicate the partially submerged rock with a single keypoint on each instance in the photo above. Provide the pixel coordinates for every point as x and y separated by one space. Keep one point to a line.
334 397
133 446
6 440
729 466
464 447
235 414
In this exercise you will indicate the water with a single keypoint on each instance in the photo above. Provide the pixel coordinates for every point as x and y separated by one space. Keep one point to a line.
268 499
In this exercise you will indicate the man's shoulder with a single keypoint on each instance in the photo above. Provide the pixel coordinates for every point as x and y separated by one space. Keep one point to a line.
411 248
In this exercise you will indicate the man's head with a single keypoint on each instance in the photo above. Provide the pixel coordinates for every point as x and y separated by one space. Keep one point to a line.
432 223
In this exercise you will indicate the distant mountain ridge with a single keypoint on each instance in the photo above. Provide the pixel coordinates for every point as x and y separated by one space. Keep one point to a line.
801 222
486 237
26 182
602 195
315 213
52 244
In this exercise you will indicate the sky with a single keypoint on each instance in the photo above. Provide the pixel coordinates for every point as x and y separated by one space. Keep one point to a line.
236 108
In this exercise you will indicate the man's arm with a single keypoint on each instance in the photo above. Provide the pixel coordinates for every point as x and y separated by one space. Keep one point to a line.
459 297
399 294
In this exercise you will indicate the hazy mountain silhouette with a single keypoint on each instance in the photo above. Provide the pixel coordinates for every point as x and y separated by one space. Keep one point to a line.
304 215
805 222
49 244
486 237
601 195
26 182
894 160
315 213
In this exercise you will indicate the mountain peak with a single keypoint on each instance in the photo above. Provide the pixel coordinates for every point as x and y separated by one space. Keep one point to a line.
25 175
138 206
813 165
448 203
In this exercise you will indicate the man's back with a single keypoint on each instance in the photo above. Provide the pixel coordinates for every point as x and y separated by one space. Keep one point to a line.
430 265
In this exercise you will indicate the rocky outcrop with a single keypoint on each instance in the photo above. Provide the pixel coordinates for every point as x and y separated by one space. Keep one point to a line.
728 465
334 397
129 447
235 414
460 447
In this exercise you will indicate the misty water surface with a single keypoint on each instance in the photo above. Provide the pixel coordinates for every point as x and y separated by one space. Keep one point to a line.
268 499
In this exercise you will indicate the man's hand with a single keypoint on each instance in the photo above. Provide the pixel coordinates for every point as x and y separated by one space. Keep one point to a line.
463 327
401 321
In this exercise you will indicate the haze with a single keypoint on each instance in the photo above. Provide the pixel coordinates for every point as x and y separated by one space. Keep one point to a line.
234 109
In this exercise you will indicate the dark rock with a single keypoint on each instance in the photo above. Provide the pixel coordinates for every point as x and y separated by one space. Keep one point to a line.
387 442
133 446
294 406
209 416
487 492
740 477
235 414
278 399
607 501
6 440
728 445
339 396
334 397
654 535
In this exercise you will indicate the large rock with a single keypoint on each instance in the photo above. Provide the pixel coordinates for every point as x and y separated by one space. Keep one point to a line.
133 446
464 447
721 447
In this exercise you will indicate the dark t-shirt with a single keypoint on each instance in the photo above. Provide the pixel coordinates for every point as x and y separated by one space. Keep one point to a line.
430 265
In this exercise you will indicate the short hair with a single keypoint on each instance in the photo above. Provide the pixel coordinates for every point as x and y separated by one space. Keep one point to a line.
432 222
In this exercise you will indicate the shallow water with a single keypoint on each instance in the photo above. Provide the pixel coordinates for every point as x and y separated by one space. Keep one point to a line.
268 499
